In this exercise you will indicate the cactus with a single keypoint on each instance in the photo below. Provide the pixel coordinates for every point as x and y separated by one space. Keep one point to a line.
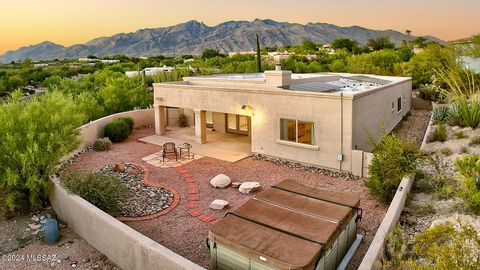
259 57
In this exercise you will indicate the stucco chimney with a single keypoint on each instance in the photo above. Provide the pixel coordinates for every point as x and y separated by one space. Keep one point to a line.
278 77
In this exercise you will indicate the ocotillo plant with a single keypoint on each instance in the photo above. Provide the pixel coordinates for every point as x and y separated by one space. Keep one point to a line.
259 57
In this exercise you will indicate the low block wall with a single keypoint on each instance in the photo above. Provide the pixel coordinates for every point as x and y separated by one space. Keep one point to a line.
376 250
360 162
123 245
94 130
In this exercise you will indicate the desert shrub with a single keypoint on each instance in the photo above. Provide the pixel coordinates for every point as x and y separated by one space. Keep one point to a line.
105 191
396 250
438 179
439 134
392 159
446 247
129 122
469 168
459 134
463 149
117 130
35 134
102 144
182 120
430 91
475 140
454 118
469 112
446 151
440 114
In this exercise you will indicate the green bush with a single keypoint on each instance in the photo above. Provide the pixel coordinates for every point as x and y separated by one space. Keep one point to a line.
440 114
459 135
454 118
439 134
129 122
117 130
469 112
105 191
102 144
392 160
475 140
469 168
35 134
446 151
430 92
446 247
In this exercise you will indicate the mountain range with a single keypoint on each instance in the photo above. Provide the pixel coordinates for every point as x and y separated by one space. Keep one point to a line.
193 37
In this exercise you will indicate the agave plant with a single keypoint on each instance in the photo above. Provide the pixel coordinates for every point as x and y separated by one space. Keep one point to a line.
441 114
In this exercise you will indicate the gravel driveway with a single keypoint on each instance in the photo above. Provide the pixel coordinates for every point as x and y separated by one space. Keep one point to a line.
186 235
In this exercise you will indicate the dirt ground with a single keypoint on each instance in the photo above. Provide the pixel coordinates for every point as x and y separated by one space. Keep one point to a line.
187 235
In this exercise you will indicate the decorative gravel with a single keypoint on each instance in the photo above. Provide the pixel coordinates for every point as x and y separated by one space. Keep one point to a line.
143 200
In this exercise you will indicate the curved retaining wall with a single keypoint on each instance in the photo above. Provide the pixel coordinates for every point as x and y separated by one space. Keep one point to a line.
123 245
376 250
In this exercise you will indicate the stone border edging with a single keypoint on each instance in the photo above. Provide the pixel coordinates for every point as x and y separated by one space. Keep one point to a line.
148 181
377 247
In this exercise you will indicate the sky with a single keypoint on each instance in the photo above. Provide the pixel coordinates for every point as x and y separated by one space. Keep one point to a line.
68 22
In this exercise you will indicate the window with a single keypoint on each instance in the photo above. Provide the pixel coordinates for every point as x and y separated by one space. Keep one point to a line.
399 104
297 131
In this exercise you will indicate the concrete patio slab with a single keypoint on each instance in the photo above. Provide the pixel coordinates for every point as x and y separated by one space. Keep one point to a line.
222 146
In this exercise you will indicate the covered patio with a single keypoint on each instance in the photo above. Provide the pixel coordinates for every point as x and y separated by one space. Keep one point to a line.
222 146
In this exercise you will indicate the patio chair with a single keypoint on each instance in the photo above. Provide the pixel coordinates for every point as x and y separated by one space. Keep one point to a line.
169 149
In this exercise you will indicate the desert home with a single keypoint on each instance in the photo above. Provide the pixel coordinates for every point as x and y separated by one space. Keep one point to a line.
321 119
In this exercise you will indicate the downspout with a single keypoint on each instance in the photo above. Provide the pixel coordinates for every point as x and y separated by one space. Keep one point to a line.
341 131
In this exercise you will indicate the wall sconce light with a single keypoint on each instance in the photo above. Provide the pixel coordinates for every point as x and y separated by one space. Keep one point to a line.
247 110
159 98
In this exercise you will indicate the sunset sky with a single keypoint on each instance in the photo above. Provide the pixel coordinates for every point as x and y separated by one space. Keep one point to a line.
27 22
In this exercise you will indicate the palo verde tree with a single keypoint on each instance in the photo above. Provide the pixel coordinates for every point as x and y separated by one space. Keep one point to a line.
36 133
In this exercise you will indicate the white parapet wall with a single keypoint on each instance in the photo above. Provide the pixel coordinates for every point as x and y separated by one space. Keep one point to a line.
123 245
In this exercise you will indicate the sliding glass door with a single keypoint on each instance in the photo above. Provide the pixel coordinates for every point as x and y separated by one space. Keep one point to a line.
238 124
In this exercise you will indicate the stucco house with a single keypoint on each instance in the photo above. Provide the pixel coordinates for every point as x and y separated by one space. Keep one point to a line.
320 119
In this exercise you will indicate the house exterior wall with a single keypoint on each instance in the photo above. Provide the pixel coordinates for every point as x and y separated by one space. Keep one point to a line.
374 109
341 121
268 107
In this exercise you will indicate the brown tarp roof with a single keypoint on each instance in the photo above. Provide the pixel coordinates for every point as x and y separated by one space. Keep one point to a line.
289 228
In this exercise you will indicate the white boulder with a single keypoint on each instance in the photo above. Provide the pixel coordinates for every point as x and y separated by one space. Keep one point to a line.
249 187
218 204
221 181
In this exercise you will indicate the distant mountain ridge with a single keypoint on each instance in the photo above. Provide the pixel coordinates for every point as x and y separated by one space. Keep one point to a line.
193 37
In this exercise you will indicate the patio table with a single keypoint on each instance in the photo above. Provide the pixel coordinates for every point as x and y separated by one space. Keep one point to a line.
185 147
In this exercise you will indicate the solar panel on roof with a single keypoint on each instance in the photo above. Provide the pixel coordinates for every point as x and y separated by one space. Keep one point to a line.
313 87
364 78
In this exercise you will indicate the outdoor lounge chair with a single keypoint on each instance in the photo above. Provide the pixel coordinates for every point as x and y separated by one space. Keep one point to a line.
169 149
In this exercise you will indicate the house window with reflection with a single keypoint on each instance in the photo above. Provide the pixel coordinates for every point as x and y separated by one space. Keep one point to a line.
297 131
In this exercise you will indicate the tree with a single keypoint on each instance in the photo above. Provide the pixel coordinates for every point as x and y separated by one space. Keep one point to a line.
309 46
210 53
380 43
259 57
420 42
408 32
344 43
32 143
378 62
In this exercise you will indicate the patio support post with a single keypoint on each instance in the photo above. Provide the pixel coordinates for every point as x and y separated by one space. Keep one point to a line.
200 126
160 119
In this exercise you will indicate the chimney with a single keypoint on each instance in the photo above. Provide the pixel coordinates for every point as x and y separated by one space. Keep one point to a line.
278 77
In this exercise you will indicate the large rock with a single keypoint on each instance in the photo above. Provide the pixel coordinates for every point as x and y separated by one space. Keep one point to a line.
249 187
218 204
119 167
220 181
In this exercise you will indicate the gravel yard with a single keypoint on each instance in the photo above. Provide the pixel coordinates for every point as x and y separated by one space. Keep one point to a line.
413 126
186 235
